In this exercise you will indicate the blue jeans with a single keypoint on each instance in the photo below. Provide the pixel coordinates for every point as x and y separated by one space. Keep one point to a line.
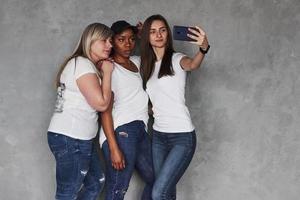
172 154
78 171
135 144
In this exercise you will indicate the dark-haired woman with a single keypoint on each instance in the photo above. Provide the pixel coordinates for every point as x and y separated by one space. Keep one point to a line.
125 142
164 73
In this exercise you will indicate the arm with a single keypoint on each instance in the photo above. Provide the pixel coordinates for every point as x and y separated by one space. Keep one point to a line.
117 158
97 95
189 64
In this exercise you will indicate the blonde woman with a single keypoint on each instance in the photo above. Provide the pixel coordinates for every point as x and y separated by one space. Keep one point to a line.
80 95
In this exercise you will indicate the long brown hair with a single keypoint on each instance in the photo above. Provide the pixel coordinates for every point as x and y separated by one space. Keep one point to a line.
91 33
148 56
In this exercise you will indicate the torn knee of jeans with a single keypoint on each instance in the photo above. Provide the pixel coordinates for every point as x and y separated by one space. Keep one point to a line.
121 192
124 134
102 179
83 172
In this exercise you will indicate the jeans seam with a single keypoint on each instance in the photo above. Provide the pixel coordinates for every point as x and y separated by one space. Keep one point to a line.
114 187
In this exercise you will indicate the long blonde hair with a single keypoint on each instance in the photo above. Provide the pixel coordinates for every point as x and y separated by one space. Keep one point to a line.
91 33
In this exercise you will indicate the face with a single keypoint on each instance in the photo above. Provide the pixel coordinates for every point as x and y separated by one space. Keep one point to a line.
158 34
124 43
100 49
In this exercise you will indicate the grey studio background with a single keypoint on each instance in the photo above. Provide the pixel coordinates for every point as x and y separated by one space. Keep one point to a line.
244 101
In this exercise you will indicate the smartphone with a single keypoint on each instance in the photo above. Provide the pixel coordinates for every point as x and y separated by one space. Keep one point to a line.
180 33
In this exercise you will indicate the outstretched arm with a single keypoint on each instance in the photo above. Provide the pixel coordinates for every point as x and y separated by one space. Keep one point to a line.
189 64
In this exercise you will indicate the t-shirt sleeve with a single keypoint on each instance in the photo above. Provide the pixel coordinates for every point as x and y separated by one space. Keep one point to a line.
83 66
176 60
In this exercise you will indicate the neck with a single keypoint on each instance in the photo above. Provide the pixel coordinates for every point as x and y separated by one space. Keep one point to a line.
120 59
159 52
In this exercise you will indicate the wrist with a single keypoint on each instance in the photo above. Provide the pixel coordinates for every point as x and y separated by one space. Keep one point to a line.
113 147
204 51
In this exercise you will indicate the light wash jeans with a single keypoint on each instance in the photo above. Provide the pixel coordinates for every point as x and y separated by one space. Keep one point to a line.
172 154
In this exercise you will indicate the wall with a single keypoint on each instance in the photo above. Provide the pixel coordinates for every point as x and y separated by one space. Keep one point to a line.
244 101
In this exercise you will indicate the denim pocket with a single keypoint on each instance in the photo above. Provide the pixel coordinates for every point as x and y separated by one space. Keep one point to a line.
57 144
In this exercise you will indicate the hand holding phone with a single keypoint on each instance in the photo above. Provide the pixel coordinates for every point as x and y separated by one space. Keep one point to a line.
195 35
181 33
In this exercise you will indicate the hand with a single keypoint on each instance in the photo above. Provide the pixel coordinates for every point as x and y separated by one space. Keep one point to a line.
139 27
117 159
199 36
106 66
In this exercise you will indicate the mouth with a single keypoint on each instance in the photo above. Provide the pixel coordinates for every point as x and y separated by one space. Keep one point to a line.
107 51
127 52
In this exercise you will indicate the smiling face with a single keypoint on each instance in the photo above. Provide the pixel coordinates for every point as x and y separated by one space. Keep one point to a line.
124 43
158 35
100 49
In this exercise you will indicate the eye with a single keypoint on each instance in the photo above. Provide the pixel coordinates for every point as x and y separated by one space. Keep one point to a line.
163 30
132 39
121 40
152 31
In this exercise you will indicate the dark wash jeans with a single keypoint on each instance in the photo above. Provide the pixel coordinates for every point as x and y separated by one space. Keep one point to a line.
135 144
172 154
78 171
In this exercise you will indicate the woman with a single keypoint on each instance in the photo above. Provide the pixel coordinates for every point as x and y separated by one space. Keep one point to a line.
74 122
125 142
164 73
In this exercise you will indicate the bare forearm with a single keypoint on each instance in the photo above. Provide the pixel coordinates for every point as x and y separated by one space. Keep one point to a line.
106 88
196 61
108 125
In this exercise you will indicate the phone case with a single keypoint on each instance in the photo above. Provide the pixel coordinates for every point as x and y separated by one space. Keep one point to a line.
180 33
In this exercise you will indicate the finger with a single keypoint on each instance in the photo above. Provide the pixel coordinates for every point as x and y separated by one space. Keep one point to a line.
117 167
139 24
110 59
192 42
123 163
113 165
120 167
202 32
195 32
197 38
99 65
107 61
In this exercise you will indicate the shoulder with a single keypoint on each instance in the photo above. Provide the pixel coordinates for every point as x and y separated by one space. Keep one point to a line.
177 56
84 61
83 66
136 60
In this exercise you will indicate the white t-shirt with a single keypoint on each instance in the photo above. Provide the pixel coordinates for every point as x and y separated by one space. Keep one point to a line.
73 116
130 99
167 95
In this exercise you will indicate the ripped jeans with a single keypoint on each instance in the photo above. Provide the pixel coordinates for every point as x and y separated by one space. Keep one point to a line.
135 144
78 171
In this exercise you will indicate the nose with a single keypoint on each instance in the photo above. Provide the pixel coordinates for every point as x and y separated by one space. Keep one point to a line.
108 43
127 43
158 34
